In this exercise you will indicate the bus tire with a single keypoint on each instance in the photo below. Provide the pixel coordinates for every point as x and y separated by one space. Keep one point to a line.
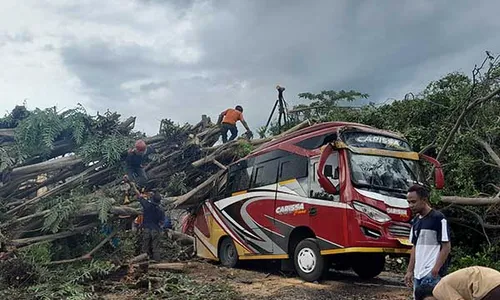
228 255
368 265
309 263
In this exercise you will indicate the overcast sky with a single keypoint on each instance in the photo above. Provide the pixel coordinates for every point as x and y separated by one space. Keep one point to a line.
180 59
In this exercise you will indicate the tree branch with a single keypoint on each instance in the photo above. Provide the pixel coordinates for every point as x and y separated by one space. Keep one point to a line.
88 255
51 237
459 120
481 222
490 151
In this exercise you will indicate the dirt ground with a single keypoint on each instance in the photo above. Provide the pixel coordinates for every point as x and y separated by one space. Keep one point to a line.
262 282
253 282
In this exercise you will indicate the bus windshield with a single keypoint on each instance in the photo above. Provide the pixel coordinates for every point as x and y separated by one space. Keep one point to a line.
384 173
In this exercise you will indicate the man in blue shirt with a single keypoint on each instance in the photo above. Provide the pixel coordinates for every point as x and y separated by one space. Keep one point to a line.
429 235
153 219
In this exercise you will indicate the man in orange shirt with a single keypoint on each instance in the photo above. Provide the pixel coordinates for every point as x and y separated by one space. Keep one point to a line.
228 118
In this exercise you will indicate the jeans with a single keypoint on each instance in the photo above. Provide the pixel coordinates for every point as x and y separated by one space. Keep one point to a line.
427 279
232 128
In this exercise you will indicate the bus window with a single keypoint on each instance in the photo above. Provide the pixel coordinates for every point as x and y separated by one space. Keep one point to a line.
331 169
293 167
240 180
219 189
266 173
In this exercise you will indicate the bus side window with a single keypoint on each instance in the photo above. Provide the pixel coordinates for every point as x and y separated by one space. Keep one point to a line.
265 174
219 188
332 164
293 168
331 170
240 180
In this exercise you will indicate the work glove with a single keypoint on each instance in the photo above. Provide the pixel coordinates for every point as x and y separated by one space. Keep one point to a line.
249 134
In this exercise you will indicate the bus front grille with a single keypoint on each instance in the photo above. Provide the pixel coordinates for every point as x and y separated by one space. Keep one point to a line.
399 230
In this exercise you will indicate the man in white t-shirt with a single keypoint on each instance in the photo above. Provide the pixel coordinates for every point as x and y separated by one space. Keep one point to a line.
429 235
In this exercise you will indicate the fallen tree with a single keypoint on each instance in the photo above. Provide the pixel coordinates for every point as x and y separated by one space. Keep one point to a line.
71 183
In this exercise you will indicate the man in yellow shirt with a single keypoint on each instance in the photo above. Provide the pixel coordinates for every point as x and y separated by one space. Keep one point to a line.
228 118
472 283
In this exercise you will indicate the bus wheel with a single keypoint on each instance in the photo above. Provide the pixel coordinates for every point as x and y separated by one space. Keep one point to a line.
309 263
368 265
227 253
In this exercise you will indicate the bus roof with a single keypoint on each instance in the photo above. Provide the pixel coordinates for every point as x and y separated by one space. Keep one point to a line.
316 130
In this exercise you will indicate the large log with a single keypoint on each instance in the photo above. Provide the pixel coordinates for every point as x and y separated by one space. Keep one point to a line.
171 267
8 132
60 188
181 237
470 201
197 194
224 151
47 166
51 237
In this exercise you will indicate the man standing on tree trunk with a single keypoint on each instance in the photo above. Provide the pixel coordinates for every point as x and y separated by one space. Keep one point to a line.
228 118
136 159
152 223
429 235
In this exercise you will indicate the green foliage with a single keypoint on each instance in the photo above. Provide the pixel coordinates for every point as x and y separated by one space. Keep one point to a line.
331 97
177 184
58 214
37 133
36 254
243 149
109 148
320 108
104 204
62 208
171 131
175 286
35 280
487 257
67 282
94 137
12 119
6 161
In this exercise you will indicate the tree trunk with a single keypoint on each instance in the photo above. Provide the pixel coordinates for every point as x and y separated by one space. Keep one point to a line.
51 237
470 201
197 194
47 166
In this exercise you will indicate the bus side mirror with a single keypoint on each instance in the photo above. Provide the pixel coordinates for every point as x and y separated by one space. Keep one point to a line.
438 171
324 182
439 178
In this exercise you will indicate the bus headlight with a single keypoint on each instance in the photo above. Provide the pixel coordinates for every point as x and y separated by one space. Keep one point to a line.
371 212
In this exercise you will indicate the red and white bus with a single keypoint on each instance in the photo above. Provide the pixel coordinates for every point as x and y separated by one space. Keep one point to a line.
330 195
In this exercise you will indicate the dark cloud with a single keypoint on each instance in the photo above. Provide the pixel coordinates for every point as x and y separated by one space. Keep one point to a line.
250 46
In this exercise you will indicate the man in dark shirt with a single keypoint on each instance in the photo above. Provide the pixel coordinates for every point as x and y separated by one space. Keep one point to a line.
153 219
135 160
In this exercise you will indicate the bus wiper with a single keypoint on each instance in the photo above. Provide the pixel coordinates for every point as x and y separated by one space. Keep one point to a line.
380 187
